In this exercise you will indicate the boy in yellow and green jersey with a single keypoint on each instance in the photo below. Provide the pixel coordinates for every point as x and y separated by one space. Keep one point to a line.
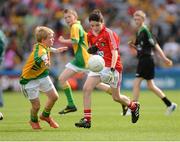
35 67
35 77
78 40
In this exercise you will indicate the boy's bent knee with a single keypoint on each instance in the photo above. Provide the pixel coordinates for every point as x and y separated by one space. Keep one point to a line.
57 97
54 97
115 99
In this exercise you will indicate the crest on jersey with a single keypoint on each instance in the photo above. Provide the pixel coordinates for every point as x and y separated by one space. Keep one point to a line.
102 44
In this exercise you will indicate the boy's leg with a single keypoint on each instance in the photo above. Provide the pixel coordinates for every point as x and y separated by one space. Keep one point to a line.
68 92
45 116
88 87
31 91
34 113
122 99
65 75
52 98
134 106
136 88
136 93
106 88
170 105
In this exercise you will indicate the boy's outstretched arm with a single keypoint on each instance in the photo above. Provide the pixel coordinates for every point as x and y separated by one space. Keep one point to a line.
58 50
65 41
167 61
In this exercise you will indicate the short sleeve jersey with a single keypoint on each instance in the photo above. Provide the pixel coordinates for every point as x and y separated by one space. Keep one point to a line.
144 42
80 45
106 41
34 67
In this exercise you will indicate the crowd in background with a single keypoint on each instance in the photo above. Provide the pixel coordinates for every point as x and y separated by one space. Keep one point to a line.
18 18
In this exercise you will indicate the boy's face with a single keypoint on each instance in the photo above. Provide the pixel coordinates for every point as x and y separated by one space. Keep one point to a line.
96 26
49 41
138 20
69 18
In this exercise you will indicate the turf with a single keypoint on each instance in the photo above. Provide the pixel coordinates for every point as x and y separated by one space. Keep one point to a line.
107 123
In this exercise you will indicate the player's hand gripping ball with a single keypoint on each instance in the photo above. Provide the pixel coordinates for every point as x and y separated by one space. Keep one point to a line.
96 63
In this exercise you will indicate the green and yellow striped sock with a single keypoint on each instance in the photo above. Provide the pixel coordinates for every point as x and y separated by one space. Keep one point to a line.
67 90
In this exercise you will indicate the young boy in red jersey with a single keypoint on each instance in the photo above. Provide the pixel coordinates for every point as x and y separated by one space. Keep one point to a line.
105 43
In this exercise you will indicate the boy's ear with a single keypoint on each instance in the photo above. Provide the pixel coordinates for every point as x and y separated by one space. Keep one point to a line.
42 40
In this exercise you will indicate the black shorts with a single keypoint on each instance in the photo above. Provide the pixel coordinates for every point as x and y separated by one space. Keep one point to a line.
145 68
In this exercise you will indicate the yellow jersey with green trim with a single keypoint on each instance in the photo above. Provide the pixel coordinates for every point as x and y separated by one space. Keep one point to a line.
35 67
80 45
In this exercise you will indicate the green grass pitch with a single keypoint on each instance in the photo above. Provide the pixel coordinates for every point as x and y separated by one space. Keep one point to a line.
107 123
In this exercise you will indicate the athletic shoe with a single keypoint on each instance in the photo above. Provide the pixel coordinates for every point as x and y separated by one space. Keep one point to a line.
35 125
171 108
50 121
135 113
83 123
68 109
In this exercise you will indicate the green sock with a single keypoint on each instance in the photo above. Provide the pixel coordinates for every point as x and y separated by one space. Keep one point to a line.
34 118
46 113
68 92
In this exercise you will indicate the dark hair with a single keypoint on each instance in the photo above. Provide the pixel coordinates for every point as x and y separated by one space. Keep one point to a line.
97 16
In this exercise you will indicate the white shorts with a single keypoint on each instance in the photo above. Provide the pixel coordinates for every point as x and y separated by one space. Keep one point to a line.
105 78
32 88
75 68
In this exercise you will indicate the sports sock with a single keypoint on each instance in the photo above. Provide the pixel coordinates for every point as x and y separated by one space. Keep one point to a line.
67 90
132 106
87 114
166 101
34 118
46 113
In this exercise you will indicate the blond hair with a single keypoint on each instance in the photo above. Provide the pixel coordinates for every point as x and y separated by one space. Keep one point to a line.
73 12
42 32
140 13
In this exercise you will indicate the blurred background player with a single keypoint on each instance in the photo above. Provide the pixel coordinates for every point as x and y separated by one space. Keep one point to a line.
145 43
35 77
104 42
79 43
3 44
78 40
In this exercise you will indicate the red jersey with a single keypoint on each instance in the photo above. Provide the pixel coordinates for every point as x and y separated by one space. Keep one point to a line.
106 41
